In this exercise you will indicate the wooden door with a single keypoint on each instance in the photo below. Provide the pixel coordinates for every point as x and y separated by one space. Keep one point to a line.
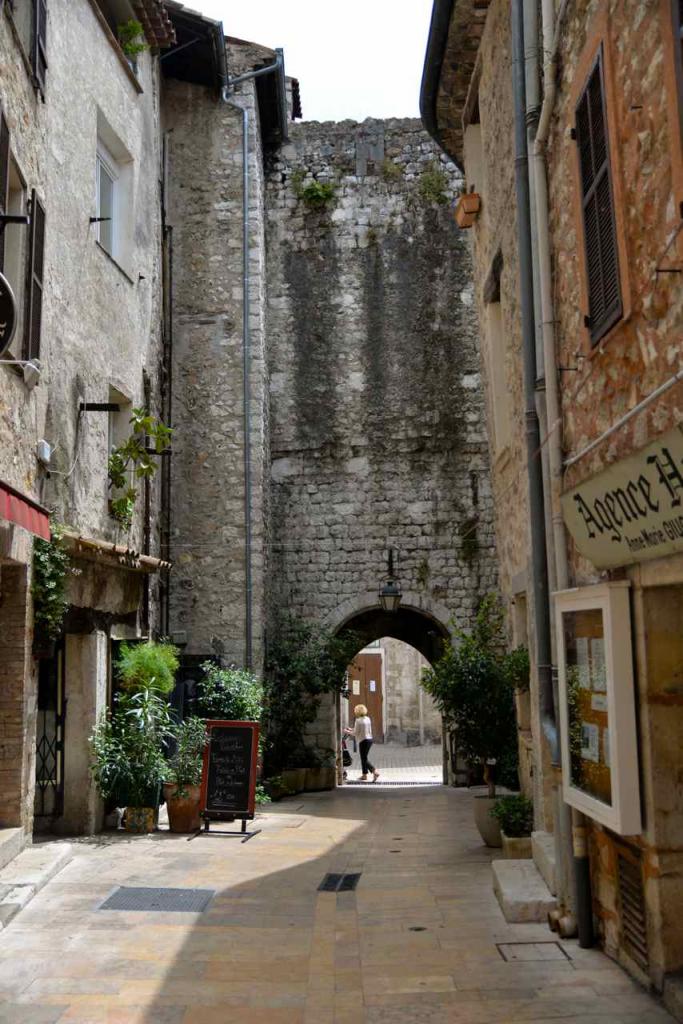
365 687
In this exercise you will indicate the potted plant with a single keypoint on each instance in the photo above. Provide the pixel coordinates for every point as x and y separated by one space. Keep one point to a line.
515 815
472 685
132 40
151 666
128 763
467 209
183 776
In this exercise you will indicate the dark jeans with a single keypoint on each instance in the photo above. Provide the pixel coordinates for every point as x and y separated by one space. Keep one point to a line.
364 748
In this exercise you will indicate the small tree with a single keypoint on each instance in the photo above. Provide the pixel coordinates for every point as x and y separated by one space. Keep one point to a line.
304 662
472 685
230 694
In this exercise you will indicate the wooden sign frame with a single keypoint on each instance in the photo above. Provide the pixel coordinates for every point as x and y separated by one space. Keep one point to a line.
248 813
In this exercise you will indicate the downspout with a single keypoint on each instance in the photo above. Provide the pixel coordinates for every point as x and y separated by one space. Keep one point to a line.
551 38
246 348
539 566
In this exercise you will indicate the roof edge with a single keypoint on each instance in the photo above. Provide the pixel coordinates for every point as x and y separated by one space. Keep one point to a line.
437 42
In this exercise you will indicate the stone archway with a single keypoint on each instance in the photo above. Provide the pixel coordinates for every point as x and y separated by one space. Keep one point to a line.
419 622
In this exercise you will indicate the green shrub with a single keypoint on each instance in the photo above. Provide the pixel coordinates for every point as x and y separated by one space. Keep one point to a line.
317 194
131 38
184 766
50 569
231 694
432 185
472 686
515 814
149 665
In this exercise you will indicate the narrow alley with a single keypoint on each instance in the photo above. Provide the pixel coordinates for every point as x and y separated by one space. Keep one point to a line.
420 939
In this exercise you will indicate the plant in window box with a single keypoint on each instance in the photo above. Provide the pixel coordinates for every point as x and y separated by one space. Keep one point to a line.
136 458
467 209
132 40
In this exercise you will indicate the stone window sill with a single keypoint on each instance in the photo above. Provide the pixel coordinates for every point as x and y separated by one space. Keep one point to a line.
114 262
132 77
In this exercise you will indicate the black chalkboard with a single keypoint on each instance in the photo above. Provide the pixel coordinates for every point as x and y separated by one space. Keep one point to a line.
229 776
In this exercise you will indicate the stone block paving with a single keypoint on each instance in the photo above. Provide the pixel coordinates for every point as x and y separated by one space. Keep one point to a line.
417 941
397 763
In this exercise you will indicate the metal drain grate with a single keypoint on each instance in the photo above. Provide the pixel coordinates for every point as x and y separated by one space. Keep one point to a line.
524 952
186 901
339 883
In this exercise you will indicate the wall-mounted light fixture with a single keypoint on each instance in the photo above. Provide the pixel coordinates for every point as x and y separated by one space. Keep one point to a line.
390 591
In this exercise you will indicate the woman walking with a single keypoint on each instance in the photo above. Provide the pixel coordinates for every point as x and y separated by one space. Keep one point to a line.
362 732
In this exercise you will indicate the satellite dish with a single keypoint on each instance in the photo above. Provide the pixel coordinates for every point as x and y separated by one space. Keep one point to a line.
8 314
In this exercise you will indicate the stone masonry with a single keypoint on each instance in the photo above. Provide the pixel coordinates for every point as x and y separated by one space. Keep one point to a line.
377 420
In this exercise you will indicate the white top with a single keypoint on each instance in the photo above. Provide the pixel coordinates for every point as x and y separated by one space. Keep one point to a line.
362 729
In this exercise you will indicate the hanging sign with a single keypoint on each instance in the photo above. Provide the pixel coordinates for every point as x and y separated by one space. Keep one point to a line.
8 314
633 510
229 771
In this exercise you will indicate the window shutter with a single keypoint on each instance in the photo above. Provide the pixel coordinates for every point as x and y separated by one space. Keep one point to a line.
34 299
4 179
39 47
597 199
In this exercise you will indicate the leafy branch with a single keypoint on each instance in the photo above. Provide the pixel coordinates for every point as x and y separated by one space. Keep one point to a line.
134 457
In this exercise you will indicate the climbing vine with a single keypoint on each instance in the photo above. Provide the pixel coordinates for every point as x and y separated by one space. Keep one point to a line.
135 459
50 570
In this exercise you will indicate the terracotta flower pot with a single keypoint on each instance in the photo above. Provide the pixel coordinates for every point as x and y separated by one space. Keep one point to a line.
140 820
183 807
467 209
489 829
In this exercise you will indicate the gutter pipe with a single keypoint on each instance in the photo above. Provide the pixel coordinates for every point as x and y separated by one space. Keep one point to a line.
246 346
551 39
539 565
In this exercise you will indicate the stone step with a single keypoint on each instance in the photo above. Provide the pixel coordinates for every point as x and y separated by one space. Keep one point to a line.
521 891
543 853
12 842
26 875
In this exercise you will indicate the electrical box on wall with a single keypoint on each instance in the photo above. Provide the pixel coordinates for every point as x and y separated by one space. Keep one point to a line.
597 705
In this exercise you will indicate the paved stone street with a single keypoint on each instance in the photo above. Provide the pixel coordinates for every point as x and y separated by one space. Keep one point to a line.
418 941
397 763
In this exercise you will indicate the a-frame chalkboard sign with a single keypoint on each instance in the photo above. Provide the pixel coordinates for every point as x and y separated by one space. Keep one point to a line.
228 790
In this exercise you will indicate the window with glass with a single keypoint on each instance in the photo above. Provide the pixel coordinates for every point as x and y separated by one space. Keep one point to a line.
106 200
597 705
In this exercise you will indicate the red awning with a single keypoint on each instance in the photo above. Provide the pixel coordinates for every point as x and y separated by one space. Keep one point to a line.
17 508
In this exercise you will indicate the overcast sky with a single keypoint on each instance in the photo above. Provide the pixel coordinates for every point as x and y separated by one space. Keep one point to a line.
354 58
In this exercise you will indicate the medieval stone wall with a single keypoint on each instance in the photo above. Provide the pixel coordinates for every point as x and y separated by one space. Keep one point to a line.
377 420
208 492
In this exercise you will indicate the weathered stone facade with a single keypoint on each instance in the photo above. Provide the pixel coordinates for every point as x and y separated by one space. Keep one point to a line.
602 385
410 715
377 433
100 342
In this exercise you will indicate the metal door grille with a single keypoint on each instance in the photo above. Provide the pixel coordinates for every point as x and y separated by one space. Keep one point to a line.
49 796
632 902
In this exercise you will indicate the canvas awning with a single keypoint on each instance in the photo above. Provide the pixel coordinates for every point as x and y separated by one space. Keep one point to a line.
17 508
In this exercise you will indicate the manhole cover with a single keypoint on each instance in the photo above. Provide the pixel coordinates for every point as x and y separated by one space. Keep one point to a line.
339 883
187 901
379 785
523 952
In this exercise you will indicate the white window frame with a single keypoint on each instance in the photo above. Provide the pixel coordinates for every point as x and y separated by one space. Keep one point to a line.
623 815
110 166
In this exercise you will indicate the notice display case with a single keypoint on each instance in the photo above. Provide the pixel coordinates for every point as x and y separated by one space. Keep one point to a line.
597 705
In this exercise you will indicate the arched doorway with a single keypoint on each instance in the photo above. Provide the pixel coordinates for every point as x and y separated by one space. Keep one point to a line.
385 676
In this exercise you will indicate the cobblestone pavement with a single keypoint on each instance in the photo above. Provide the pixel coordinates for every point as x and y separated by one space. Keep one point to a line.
397 763
418 941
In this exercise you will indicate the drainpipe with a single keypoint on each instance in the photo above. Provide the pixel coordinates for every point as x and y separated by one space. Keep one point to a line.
551 38
278 67
539 567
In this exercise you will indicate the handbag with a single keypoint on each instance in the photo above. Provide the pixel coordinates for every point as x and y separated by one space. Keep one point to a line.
347 760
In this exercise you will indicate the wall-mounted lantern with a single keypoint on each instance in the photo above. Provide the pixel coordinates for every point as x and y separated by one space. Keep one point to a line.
390 591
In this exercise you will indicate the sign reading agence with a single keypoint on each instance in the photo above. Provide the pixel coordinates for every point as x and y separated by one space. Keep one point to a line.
633 510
